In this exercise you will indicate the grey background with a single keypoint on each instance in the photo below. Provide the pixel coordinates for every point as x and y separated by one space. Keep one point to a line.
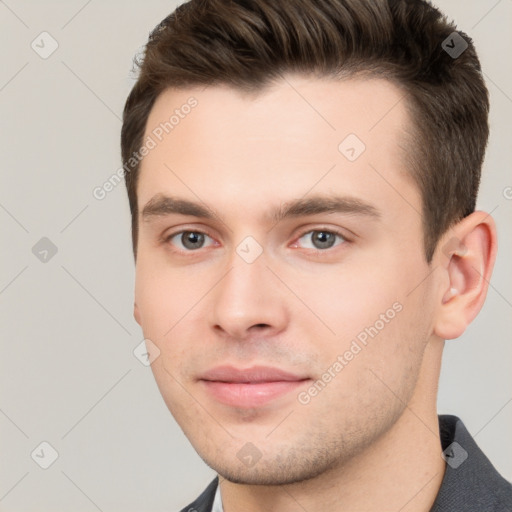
68 373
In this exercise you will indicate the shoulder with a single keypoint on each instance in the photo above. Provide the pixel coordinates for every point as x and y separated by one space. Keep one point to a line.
471 482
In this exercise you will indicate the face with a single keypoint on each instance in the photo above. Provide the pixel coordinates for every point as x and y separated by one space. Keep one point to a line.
281 272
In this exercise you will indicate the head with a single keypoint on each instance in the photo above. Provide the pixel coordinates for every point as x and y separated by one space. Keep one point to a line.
302 180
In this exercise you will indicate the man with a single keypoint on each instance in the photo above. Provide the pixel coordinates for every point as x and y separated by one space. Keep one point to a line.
302 178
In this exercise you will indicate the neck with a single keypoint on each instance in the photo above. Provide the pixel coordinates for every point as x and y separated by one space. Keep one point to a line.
402 470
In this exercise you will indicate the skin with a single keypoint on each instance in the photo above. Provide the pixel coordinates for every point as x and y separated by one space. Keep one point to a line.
370 437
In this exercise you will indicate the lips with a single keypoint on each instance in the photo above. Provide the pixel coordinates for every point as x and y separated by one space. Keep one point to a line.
249 375
249 387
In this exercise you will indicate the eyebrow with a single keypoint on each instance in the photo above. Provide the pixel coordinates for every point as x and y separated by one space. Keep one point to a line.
161 205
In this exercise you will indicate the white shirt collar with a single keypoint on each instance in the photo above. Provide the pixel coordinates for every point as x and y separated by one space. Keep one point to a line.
217 501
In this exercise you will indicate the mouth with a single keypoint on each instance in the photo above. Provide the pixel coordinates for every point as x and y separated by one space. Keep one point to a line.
249 387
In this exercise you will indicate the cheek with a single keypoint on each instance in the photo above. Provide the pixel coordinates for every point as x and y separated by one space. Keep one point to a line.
379 369
373 317
154 301
391 360
173 305
163 296
347 298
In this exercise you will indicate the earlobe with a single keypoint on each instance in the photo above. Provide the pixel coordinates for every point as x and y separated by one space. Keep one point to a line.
466 257
136 314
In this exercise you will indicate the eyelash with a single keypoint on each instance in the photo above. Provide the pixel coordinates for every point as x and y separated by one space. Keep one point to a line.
166 239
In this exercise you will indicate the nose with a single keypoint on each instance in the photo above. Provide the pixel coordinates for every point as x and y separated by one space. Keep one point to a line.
249 301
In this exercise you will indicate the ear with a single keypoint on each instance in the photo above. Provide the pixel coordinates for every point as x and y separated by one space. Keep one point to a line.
136 314
466 255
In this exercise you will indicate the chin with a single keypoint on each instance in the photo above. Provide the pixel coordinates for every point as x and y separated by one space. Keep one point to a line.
271 473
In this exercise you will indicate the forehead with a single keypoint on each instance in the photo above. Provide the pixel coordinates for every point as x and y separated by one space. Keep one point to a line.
300 134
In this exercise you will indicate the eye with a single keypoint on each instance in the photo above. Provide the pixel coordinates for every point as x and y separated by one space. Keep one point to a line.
321 239
190 240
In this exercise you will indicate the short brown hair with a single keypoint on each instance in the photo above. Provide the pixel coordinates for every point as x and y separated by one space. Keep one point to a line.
248 44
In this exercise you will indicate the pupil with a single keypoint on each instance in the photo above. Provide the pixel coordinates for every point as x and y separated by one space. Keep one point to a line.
323 240
192 240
